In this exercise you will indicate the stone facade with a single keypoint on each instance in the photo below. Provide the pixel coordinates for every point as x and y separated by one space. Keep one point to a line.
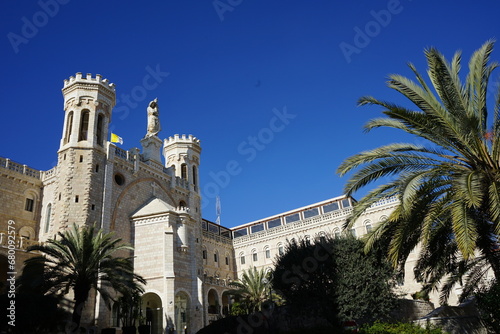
188 262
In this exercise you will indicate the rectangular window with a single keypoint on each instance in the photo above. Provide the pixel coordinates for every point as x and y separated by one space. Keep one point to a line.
292 218
240 233
204 255
281 250
310 213
213 228
204 224
242 259
254 255
346 203
227 261
257 228
331 207
268 254
215 257
28 206
274 223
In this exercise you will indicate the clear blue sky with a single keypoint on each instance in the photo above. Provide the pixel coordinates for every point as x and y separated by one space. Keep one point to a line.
233 66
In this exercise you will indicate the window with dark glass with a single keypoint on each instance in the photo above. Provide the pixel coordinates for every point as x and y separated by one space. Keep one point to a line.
292 218
257 228
69 126
330 207
100 134
274 223
240 233
346 203
184 171
28 206
84 126
310 213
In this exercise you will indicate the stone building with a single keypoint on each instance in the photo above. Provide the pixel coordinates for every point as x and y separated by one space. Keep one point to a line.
152 203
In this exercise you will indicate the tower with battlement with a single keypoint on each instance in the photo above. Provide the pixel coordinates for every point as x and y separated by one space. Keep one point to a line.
75 195
182 156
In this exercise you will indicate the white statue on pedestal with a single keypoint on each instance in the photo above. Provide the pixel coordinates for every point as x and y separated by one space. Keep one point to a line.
153 118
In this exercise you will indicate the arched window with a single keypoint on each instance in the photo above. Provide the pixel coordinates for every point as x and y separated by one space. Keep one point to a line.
182 204
27 232
337 233
184 172
69 127
100 130
84 125
368 225
216 258
204 255
47 217
195 176
255 257
242 258
281 249
267 252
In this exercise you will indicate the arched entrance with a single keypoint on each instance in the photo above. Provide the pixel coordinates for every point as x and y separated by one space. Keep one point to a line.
213 305
182 306
152 310
226 301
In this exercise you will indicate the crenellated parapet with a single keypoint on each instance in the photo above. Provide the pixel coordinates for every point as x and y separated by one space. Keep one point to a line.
182 154
80 91
182 139
88 79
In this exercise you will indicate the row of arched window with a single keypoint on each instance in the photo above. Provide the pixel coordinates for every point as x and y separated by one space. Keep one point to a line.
83 129
185 176
216 259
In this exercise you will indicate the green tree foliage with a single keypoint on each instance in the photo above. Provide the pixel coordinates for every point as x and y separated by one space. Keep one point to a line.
449 188
252 290
488 303
334 279
81 259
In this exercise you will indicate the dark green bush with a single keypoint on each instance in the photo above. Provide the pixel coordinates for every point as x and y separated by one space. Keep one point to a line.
488 303
399 328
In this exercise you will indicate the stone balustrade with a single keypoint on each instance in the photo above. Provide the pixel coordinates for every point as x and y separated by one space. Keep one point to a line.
19 168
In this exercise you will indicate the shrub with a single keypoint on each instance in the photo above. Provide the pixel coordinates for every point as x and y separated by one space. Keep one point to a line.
398 328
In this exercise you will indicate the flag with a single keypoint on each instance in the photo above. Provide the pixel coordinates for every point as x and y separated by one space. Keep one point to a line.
116 139
217 209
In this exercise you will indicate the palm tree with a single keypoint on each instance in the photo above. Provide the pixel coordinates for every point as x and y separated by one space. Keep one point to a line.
253 288
448 190
81 259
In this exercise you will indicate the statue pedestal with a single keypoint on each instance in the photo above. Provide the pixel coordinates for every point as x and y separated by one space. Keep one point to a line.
151 148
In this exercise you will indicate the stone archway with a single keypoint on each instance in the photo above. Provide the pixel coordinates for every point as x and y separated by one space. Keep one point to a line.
182 314
226 302
152 310
213 305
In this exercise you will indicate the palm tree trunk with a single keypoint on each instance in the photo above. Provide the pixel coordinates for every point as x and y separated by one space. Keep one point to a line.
81 296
